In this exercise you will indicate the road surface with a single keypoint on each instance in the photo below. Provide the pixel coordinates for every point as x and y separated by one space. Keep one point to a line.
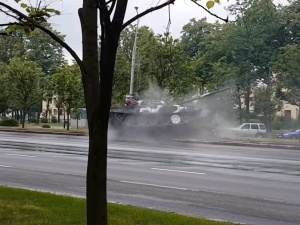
255 186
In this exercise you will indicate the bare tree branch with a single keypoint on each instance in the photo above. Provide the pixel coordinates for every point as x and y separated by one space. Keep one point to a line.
152 9
112 6
215 15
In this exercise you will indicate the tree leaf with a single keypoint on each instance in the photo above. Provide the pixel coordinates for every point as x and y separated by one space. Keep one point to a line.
23 5
210 4
217 1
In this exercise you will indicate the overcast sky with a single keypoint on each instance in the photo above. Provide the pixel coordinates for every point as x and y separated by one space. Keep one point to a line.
181 12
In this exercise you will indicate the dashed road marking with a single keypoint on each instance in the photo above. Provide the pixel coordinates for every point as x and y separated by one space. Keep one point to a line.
29 156
178 171
5 166
157 185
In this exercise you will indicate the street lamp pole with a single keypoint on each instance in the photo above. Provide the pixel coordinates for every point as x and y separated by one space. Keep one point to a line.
134 56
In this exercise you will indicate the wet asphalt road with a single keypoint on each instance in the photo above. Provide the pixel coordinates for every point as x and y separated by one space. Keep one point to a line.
239 184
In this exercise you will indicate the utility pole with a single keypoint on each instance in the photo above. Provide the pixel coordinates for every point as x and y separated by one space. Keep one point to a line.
134 56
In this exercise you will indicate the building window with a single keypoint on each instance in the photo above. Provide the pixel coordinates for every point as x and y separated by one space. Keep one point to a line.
50 100
287 114
55 112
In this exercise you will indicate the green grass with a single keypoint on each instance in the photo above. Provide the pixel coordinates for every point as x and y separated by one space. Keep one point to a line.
22 207
52 129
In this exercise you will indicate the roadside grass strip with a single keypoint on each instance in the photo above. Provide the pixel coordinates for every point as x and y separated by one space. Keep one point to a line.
23 207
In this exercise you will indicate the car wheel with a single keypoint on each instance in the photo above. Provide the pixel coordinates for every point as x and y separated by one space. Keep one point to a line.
293 137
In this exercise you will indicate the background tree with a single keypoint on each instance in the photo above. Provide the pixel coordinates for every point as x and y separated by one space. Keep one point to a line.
266 103
23 79
3 94
288 74
67 85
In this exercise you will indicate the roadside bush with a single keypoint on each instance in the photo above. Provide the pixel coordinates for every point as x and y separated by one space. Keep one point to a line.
33 120
276 124
53 119
9 123
254 121
46 126
44 120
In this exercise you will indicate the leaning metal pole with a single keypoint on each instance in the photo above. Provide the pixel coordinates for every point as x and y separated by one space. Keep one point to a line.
134 56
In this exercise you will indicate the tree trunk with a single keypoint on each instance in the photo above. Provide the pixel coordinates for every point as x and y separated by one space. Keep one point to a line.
47 107
98 98
64 119
77 123
247 103
23 115
38 117
68 119
58 115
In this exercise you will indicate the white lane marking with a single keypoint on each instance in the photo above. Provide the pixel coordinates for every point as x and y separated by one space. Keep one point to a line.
178 171
4 166
29 156
157 185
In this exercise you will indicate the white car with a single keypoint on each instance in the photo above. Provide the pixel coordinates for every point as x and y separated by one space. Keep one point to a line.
244 130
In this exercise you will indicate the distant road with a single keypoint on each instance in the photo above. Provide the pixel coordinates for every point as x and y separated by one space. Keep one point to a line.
254 186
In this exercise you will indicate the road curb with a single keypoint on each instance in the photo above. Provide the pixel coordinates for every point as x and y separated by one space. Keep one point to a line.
257 145
44 132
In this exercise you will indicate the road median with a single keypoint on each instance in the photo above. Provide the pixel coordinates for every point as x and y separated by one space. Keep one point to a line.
44 131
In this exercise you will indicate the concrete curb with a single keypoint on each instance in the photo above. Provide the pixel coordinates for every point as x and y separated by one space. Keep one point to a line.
44 132
228 143
257 145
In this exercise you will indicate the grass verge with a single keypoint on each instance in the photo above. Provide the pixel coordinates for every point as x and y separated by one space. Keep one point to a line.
40 129
22 207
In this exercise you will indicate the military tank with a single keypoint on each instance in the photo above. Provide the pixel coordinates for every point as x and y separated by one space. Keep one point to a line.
157 116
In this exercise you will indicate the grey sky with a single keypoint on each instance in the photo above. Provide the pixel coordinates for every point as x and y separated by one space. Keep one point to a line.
181 12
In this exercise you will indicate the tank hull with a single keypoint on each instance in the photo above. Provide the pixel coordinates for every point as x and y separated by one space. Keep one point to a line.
160 125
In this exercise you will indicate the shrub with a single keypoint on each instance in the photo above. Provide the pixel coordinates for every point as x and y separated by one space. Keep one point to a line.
33 120
254 121
46 126
276 124
44 120
53 119
9 123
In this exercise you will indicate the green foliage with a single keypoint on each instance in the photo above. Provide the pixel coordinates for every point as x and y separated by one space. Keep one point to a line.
53 119
9 123
287 74
68 86
44 120
22 79
281 122
46 126
33 120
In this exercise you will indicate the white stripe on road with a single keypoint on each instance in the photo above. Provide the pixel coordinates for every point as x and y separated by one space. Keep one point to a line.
5 166
178 171
30 156
157 185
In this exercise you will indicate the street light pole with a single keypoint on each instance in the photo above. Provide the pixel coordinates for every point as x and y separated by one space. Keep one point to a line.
134 56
